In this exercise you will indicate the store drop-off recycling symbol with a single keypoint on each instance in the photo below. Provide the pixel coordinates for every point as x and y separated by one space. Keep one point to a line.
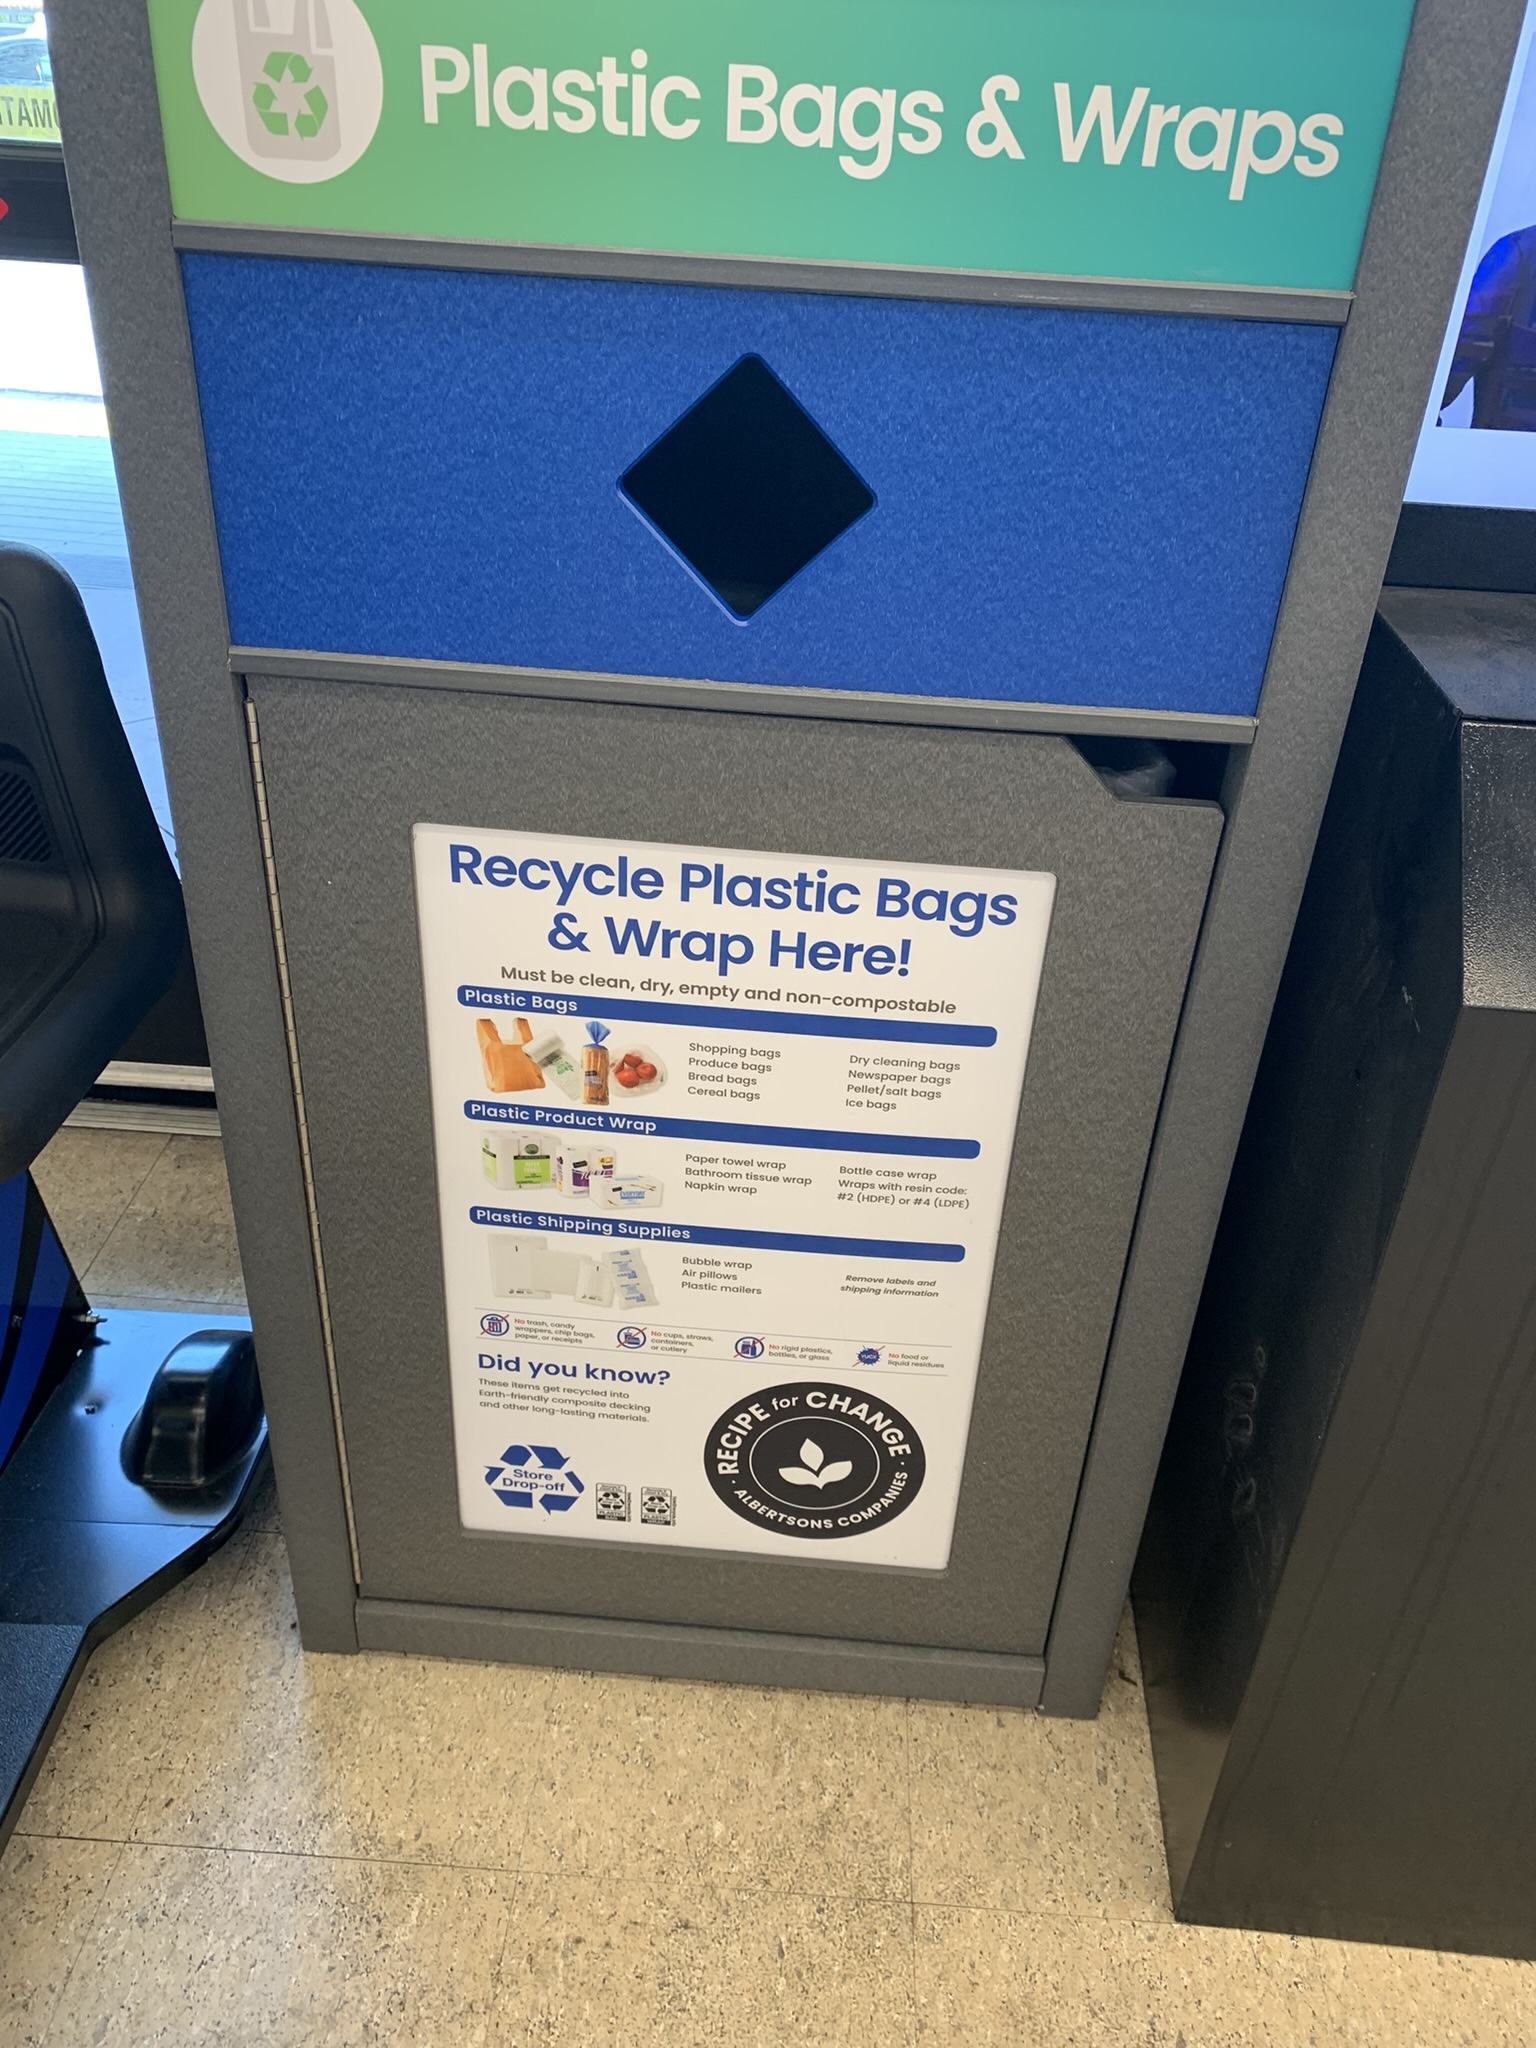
280 67
532 1475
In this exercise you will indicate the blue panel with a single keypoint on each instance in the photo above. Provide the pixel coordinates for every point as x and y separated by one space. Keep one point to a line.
1072 507
35 1283
13 1218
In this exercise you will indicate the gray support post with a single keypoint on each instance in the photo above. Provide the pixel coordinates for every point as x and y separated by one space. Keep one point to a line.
109 113
1442 130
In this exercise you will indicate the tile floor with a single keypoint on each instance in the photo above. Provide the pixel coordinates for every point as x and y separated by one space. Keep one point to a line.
233 1844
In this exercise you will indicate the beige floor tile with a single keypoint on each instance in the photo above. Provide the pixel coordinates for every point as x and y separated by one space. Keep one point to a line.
602 1963
208 1949
50 1892
392 1757
699 1864
262 1514
1013 1811
1414 1998
214 1311
715 1784
88 1178
176 1238
1049 1980
1123 1686
112 1748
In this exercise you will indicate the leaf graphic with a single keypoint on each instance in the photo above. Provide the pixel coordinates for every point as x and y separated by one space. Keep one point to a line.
827 1476
813 1454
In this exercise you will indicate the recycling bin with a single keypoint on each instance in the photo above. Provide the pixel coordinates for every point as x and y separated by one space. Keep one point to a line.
749 665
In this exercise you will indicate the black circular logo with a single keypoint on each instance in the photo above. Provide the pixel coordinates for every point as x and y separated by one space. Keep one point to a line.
814 1459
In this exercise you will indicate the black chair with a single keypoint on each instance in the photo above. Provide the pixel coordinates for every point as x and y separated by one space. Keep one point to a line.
119 1473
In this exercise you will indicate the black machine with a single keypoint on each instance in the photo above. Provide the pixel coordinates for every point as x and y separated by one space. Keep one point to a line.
36 224
121 1467
1336 1594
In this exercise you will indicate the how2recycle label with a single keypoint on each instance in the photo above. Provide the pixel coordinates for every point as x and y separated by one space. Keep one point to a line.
532 1474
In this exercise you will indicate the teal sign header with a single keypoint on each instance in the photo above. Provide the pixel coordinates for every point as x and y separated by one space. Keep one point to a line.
1202 141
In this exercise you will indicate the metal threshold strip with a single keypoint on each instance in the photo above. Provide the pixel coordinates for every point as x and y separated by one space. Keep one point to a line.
132 1095
763 699
776 273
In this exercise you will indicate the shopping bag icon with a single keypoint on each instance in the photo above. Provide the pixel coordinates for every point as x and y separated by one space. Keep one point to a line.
288 78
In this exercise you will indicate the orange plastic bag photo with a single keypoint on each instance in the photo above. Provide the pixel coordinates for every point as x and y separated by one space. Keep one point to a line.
507 1067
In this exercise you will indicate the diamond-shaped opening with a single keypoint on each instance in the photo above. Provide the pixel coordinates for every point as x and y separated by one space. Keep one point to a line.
746 487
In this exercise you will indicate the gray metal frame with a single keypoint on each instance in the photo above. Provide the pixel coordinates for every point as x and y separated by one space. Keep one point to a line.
347 770
846 280
1447 109
119 191
774 700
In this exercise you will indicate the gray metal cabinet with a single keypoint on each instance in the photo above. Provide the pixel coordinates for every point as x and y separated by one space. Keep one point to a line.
347 771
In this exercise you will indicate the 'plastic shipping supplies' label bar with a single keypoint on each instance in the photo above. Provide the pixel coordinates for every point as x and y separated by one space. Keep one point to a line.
722 1144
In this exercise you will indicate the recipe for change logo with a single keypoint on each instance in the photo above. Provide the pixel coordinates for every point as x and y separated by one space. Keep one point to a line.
293 87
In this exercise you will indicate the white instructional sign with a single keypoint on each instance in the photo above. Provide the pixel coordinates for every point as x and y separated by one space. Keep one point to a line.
722 1143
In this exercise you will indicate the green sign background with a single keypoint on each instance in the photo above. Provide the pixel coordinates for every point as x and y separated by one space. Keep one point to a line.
947 209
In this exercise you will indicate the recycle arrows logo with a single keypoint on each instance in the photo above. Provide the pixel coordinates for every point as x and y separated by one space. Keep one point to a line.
535 1473
279 68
